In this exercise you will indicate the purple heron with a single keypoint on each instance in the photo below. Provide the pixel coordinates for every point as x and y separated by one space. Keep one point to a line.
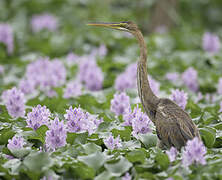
174 127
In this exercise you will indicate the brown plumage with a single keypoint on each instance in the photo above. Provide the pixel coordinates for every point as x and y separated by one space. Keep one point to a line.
174 127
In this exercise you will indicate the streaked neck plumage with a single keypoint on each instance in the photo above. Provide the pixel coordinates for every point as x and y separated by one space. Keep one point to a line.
148 99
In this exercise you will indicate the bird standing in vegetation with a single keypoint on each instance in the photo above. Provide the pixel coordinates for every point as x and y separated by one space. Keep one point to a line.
174 127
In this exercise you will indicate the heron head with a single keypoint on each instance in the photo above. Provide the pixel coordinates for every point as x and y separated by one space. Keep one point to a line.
127 26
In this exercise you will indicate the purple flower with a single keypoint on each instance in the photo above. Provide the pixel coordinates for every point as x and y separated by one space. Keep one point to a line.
17 142
56 135
90 74
26 86
15 102
211 42
219 86
170 178
126 177
90 123
51 93
79 121
179 97
112 143
1 69
172 76
74 119
194 152
140 124
220 110
44 21
127 79
123 81
102 50
138 120
46 74
132 70
189 78
120 103
154 85
37 117
172 154
130 115
6 37
72 58
73 89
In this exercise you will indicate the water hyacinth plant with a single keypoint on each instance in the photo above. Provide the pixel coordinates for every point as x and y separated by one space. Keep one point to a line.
127 79
73 89
189 78
6 37
44 21
37 117
90 74
112 143
69 101
56 135
120 103
15 102
46 74
17 142
211 42
194 152
80 121
179 97
172 154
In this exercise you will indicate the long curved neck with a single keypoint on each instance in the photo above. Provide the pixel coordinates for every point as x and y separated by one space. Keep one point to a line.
147 97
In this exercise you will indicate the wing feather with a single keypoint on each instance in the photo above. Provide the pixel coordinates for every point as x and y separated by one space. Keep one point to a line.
174 126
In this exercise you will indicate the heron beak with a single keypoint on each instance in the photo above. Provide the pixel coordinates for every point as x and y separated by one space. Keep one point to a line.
118 26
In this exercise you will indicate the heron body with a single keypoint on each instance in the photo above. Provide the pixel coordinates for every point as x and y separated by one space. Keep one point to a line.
174 127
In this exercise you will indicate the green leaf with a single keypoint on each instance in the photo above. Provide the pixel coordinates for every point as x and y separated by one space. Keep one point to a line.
88 102
5 150
5 135
136 156
95 160
149 139
38 162
91 148
207 118
218 126
105 175
79 138
124 134
55 104
71 138
131 145
148 175
41 132
13 165
208 135
118 168
83 171
4 116
195 109
218 142
20 153
162 160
